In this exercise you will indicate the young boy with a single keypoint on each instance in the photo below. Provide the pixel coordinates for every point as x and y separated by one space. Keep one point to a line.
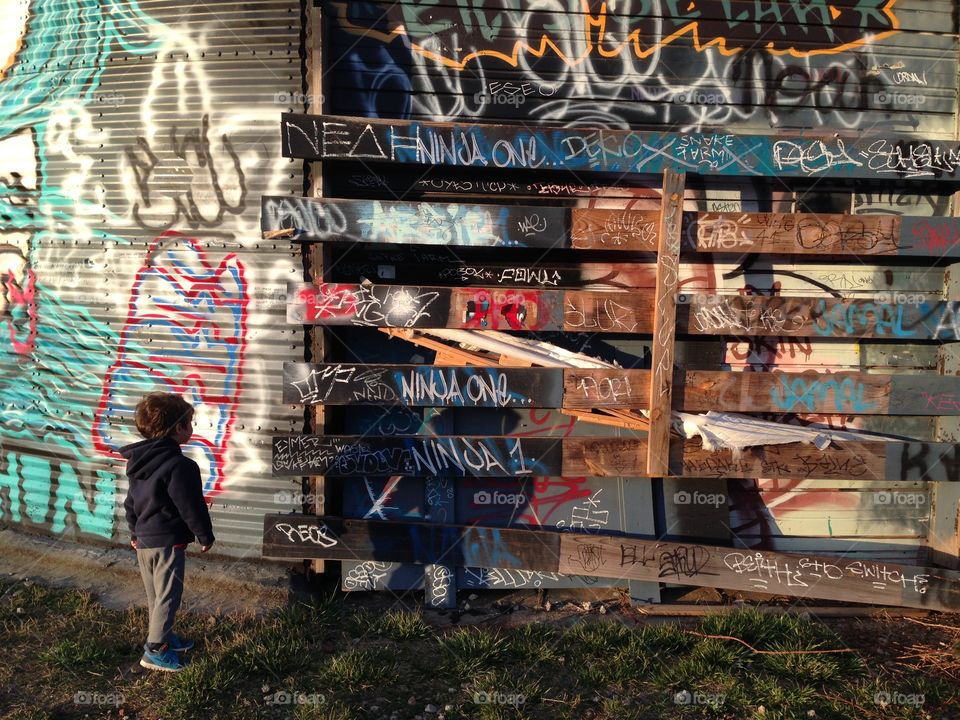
165 512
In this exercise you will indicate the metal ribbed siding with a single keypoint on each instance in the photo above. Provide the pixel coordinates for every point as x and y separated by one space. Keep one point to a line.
115 90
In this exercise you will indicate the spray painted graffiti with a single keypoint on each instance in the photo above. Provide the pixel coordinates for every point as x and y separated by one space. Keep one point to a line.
635 61
202 307
53 352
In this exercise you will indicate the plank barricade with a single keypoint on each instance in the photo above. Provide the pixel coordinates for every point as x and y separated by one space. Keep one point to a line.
507 456
642 275
620 557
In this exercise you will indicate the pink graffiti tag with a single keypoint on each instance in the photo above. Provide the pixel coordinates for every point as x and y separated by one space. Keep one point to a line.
21 320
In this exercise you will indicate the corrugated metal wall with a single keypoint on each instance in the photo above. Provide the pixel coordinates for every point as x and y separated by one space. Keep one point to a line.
747 67
136 139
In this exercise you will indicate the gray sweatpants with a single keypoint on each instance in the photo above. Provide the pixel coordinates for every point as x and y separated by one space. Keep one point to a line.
162 573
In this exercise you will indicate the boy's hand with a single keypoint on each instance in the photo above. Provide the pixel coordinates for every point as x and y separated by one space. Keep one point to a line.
204 548
133 544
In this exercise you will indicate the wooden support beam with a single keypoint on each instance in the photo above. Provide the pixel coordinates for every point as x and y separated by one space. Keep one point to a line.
596 150
664 324
318 256
406 306
500 456
620 557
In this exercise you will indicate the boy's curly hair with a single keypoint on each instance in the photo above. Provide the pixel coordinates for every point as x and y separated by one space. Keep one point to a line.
158 414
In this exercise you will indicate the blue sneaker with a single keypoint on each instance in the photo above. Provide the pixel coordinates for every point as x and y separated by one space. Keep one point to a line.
163 659
177 643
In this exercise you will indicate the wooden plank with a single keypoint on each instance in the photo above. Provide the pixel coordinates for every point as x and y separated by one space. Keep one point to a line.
622 557
464 273
801 276
827 234
292 536
537 226
463 456
664 324
421 223
611 229
844 393
801 576
599 150
422 385
901 318
467 308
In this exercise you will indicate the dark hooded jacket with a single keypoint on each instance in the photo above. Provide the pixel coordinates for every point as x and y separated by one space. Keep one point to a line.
164 503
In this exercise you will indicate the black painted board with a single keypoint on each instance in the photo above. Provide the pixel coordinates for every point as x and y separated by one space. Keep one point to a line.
421 385
349 456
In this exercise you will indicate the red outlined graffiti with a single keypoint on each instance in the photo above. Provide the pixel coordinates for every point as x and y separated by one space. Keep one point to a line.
185 332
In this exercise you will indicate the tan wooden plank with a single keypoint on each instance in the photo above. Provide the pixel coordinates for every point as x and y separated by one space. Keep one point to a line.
794 575
603 229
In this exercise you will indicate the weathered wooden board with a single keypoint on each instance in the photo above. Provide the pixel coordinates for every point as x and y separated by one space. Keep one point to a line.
460 456
589 150
901 318
421 223
896 317
468 308
816 234
480 225
846 393
422 385
409 265
621 557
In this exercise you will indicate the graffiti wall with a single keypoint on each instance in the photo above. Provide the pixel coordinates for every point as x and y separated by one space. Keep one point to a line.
135 142
851 64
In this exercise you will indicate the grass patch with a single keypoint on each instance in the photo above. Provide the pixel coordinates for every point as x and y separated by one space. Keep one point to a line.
341 663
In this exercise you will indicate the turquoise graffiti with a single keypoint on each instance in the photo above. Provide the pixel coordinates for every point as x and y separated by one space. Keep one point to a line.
799 393
53 354
50 474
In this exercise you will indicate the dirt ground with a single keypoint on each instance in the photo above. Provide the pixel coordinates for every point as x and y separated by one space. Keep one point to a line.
214 586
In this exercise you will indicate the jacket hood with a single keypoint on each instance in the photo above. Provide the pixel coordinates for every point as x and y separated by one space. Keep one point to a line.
146 457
